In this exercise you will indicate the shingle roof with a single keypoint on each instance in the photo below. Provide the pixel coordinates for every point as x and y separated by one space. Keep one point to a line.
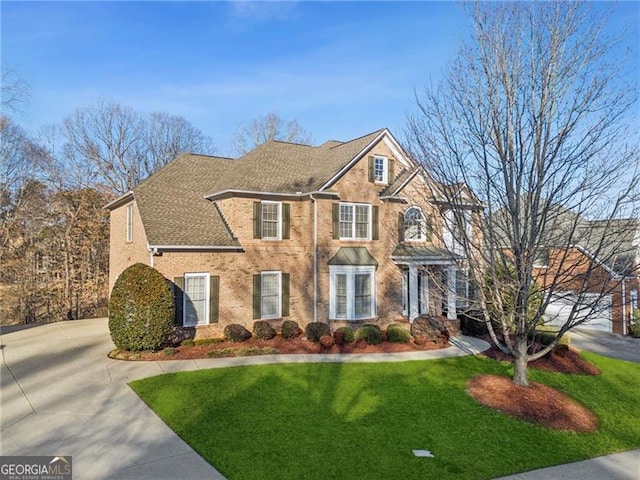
172 202
173 208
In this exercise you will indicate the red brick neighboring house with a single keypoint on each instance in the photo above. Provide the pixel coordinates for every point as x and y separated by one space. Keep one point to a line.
604 263
339 233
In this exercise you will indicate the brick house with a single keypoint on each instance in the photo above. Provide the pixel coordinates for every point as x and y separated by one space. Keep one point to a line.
344 232
603 263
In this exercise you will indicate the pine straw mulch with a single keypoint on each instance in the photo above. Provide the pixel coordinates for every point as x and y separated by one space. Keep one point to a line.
276 345
538 403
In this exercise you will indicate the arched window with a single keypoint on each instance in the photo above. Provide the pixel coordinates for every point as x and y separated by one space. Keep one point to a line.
414 224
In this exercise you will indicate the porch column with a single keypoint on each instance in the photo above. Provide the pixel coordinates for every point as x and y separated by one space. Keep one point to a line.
413 292
451 292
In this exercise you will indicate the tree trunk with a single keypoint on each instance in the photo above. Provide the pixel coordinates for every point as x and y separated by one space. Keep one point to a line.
521 364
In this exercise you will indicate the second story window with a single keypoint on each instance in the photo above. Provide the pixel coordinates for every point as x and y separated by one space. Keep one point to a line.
355 221
414 224
381 169
271 220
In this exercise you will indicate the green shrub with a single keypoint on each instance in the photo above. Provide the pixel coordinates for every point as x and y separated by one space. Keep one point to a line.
140 309
370 334
187 343
290 329
344 335
263 330
236 333
315 330
634 328
169 351
546 336
208 341
398 334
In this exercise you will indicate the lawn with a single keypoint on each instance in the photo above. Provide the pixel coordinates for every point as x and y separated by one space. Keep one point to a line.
347 421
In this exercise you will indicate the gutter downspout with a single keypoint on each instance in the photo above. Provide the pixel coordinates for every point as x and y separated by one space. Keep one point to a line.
315 257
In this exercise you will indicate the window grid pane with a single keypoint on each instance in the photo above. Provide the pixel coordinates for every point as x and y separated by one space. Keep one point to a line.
362 221
341 296
378 169
414 224
270 292
269 220
346 221
196 300
362 295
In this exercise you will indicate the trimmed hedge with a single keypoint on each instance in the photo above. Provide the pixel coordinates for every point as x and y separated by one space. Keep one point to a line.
370 334
263 330
141 309
290 329
344 335
236 333
326 341
398 334
315 330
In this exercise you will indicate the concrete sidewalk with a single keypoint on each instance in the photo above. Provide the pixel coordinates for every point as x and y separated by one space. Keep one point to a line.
61 395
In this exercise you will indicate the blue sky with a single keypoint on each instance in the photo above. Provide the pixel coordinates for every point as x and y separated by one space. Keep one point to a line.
342 69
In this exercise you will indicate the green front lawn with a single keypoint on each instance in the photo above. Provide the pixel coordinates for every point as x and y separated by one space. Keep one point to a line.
349 421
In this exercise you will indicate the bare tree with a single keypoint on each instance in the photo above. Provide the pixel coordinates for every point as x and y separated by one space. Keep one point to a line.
268 127
16 92
533 116
124 146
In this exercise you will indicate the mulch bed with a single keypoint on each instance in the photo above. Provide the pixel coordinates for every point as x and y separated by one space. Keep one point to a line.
536 403
299 345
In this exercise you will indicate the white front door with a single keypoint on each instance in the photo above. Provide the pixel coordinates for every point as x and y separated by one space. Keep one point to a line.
415 292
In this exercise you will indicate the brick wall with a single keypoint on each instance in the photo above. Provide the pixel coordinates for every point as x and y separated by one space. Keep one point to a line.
123 253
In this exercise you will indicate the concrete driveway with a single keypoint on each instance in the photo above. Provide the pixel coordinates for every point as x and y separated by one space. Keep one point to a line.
607 344
61 395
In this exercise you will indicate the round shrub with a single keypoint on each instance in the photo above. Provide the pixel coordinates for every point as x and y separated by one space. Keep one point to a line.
315 330
140 309
263 330
398 334
326 341
187 343
236 333
344 335
370 334
290 329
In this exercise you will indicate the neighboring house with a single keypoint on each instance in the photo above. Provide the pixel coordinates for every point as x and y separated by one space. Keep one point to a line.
602 262
340 233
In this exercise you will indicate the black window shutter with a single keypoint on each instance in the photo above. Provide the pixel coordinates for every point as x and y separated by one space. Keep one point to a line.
371 170
214 299
375 223
391 170
400 226
257 295
286 221
257 220
336 221
285 294
178 287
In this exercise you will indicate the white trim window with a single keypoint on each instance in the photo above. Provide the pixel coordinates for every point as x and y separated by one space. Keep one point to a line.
380 169
414 224
129 224
271 220
462 288
196 299
355 221
352 292
270 294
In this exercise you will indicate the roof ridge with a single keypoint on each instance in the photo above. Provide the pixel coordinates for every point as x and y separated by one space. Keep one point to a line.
380 130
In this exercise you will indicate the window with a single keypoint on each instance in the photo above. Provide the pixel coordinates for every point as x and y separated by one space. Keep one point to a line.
541 258
271 220
196 299
457 229
355 221
414 224
129 232
352 292
271 295
462 287
380 169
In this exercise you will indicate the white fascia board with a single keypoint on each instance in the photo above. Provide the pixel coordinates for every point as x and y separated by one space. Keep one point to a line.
222 194
195 247
354 160
599 262
121 200
397 150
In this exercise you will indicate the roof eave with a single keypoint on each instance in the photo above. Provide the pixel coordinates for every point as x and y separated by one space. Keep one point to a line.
230 193
121 200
